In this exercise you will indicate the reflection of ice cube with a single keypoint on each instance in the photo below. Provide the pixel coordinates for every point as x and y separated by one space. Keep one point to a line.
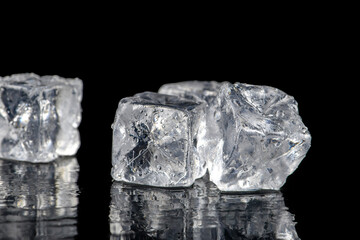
38 200
201 212
253 136
39 117
257 216
153 139
145 212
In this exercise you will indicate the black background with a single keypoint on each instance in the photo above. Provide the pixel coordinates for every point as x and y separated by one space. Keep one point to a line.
115 63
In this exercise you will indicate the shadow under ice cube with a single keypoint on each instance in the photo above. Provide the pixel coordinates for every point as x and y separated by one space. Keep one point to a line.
152 140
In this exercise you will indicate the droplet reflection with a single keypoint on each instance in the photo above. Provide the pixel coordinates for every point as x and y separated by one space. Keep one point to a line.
200 212
38 200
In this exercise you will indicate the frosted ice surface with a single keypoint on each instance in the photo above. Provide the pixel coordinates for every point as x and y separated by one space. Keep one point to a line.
39 117
154 137
253 136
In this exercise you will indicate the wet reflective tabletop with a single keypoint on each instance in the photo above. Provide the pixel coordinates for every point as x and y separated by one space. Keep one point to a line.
38 201
200 212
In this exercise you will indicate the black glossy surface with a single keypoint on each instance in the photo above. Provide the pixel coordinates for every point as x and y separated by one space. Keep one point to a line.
39 200
198 212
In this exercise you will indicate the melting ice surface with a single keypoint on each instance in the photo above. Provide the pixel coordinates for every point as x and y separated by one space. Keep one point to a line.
38 201
200 212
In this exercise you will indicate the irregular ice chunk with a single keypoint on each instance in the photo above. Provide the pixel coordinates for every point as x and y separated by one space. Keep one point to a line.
253 136
39 117
154 139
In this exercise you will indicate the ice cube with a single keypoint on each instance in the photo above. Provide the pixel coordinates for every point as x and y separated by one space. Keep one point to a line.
154 137
261 138
253 136
39 117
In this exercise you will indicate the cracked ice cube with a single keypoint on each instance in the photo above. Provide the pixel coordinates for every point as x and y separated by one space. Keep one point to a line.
153 138
39 117
261 137
253 136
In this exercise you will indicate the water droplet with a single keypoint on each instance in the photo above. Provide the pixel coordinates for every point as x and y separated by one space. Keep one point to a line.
158 167
132 178
217 116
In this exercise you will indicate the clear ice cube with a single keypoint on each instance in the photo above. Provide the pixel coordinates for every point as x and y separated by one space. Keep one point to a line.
39 117
253 136
154 137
